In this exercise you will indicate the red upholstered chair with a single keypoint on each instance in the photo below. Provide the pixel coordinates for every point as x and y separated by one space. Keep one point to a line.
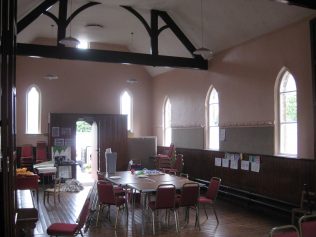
284 231
165 199
107 196
41 152
307 226
211 195
188 199
27 158
68 229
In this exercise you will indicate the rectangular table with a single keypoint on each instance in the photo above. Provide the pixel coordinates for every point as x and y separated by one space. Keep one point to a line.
145 185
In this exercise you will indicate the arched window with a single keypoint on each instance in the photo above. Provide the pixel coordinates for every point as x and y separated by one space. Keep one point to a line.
167 133
286 115
33 110
212 109
126 107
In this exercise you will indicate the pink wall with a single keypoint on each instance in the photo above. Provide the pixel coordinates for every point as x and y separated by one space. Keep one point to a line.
82 87
244 77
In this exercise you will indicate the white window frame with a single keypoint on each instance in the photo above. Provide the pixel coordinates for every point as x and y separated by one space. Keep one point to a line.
167 129
283 74
209 144
130 115
27 112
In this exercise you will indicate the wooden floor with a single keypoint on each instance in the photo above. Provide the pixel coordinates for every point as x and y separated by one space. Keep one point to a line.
235 220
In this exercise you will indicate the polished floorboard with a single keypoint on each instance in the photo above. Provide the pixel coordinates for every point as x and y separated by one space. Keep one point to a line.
234 220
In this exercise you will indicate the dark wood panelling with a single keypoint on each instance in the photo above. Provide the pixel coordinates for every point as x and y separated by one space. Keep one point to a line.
279 178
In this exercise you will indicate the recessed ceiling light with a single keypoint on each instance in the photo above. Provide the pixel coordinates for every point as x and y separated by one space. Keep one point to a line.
51 77
132 81
94 25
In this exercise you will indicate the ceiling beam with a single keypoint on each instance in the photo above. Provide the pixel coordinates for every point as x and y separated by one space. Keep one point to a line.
301 3
29 18
110 56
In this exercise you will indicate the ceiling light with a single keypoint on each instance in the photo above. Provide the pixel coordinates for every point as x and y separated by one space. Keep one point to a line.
131 81
69 41
51 77
204 52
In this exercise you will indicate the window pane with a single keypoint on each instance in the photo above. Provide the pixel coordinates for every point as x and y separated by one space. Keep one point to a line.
288 134
167 123
288 83
288 115
126 108
288 108
213 129
214 138
32 118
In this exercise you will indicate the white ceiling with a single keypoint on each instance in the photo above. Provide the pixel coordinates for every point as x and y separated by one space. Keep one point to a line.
226 23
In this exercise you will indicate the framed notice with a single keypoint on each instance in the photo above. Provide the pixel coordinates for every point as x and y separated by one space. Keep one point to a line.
55 131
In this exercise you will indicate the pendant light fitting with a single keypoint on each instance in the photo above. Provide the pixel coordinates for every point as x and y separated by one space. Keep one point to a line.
70 41
202 51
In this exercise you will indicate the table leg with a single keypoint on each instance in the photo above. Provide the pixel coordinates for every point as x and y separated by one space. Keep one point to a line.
143 202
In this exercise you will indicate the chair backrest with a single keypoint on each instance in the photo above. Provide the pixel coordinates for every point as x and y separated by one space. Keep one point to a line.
178 164
165 196
284 231
57 184
213 188
189 194
84 213
41 151
164 163
307 225
27 150
171 150
105 192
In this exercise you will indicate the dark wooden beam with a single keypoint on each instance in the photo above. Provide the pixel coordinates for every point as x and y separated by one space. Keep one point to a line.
80 9
154 33
110 56
303 3
62 21
139 17
29 18
178 32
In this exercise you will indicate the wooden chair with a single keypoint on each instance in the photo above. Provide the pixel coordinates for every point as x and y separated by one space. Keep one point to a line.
68 229
307 225
55 191
284 231
165 199
211 195
107 196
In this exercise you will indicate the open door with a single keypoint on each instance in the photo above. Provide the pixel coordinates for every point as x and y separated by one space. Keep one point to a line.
94 150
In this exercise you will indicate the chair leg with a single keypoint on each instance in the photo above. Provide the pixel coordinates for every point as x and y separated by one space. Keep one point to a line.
98 215
117 212
176 219
197 217
205 211
215 214
153 216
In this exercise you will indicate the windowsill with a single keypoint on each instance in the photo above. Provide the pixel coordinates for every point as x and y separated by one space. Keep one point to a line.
287 156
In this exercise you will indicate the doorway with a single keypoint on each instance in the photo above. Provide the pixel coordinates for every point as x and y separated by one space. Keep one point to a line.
86 141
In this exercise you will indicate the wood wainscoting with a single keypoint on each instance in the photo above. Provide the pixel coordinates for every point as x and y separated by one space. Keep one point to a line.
279 178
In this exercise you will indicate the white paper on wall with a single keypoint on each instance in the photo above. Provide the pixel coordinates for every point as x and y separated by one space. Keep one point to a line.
218 161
